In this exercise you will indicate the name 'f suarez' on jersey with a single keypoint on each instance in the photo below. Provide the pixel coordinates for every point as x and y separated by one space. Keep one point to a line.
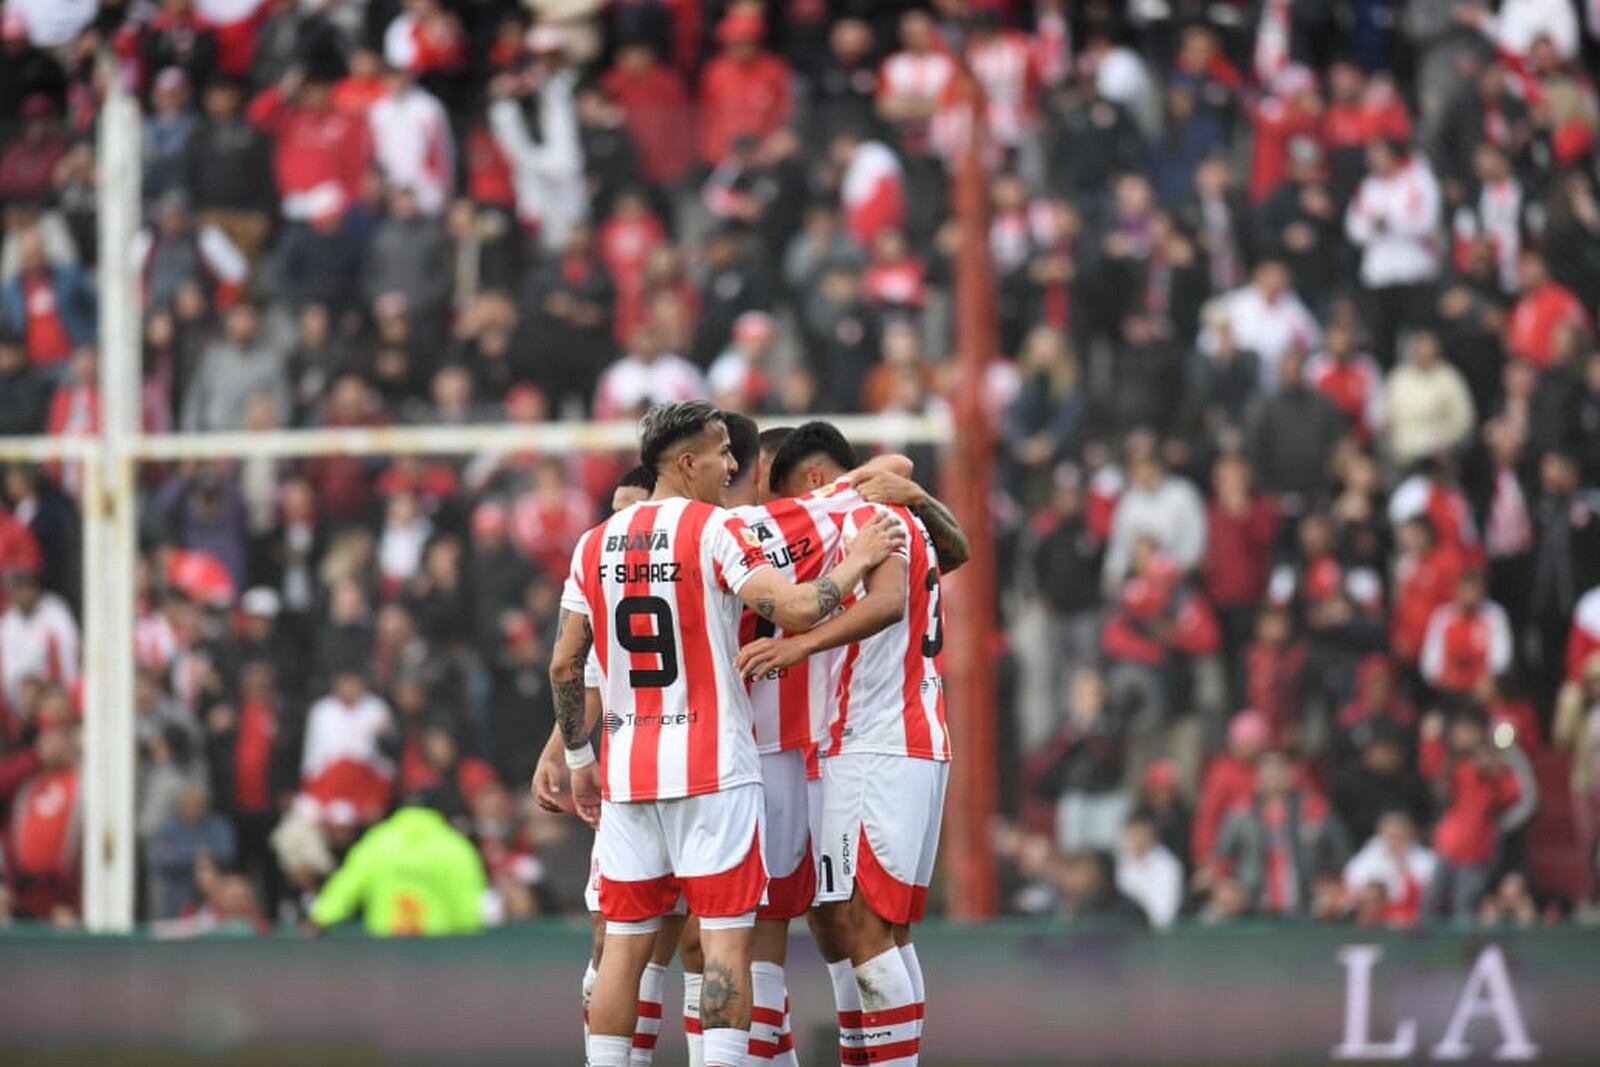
658 582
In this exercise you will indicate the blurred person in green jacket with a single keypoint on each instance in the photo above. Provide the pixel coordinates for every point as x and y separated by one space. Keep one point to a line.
412 875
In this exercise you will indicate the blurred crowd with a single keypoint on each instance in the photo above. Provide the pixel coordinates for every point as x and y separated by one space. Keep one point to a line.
1297 414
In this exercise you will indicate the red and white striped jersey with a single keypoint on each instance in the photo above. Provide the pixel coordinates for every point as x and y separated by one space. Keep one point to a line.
890 698
800 536
658 582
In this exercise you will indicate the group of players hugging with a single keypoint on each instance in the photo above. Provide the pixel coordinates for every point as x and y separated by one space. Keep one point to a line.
754 638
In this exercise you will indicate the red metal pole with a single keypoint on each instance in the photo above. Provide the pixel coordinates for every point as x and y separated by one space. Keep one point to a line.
971 616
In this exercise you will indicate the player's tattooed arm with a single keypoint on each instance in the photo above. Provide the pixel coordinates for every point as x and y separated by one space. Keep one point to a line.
949 540
800 607
719 997
828 595
573 640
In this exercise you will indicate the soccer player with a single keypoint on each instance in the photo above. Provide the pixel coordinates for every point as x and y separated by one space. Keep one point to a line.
886 755
634 487
800 537
656 591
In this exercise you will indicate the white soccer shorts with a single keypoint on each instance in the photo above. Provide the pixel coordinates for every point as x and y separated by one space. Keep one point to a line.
880 831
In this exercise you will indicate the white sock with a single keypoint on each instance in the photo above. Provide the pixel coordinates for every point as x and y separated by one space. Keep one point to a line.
608 1051
888 1011
647 1025
727 1047
908 953
786 1057
693 981
590 976
847 999
766 1010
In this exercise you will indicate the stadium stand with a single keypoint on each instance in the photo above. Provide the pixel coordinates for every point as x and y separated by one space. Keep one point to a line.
1298 416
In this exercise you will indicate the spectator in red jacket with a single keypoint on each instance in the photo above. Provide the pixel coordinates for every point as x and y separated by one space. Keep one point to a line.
1160 623
1477 788
1229 781
1274 665
1545 308
656 108
744 90
1293 110
43 844
28 164
1241 527
1426 577
319 154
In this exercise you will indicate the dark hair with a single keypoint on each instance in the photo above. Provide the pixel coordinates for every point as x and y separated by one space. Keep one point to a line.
640 477
667 424
773 439
805 442
744 439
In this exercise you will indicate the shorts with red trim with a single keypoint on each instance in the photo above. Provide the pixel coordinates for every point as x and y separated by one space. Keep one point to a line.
786 836
706 848
880 831
591 891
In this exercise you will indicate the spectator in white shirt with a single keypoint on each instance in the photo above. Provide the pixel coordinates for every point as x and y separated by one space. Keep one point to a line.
1148 873
1158 505
38 637
1394 219
1393 860
346 769
1269 319
1427 405
647 375
411 138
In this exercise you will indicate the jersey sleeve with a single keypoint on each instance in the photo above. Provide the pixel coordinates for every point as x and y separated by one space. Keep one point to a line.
836 499
572 598
735 551
592 678
862 514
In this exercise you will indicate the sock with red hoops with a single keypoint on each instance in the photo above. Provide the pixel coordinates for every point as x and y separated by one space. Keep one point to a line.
908 954
847 999
647 1028
590 976
767 997
888 1012
693 982
786 1057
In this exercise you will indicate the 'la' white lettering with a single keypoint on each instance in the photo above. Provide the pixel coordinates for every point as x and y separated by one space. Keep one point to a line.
1487 993
1358 961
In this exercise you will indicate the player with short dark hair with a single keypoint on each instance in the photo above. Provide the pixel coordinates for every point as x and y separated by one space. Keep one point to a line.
886 750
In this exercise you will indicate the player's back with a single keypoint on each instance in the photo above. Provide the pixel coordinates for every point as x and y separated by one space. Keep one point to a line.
658 582
890 696
800 536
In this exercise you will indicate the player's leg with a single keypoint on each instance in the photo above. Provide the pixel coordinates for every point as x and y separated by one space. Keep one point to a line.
791 886
694 962
597 940
872 840
636 889
929 781
652 987
716 840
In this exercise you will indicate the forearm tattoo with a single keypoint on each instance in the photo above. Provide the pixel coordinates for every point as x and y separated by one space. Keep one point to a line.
828 595
949 540
719 998
568 692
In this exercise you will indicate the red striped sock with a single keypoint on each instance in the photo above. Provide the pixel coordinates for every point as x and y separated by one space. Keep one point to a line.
647 1028
847 999
767 997
889 1013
